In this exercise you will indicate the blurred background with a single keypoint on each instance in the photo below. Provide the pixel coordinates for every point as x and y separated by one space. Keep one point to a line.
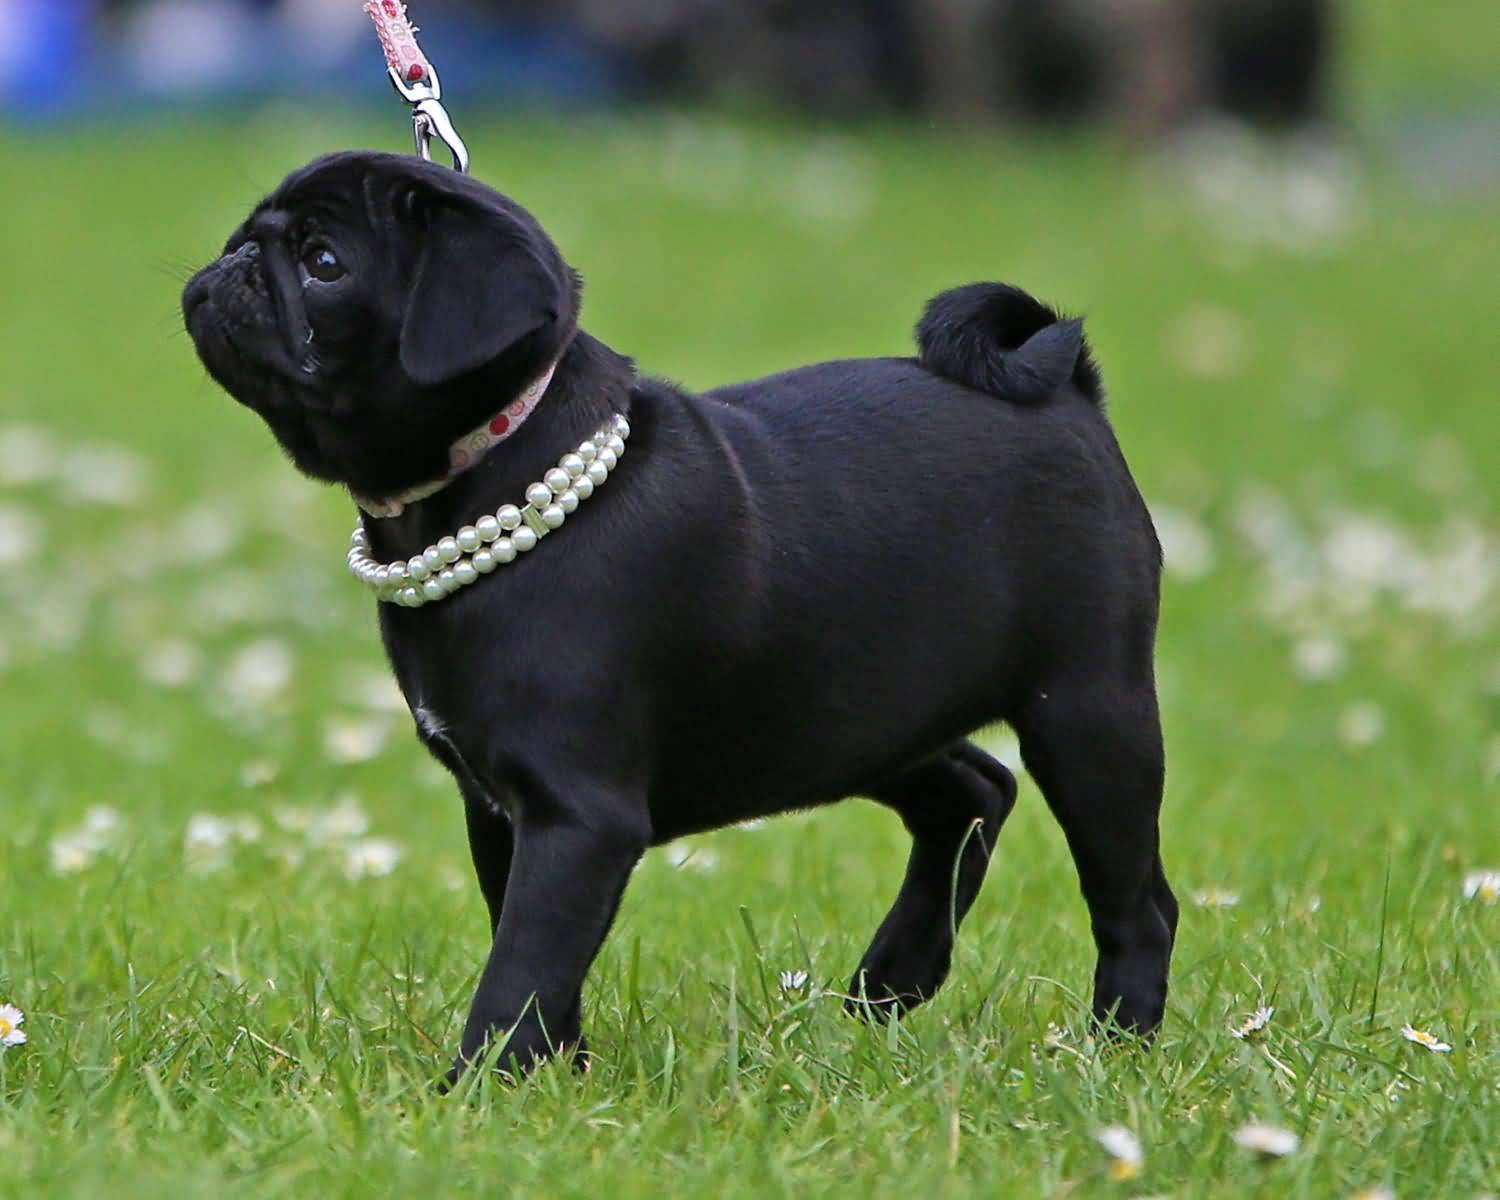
1144 65
1281 218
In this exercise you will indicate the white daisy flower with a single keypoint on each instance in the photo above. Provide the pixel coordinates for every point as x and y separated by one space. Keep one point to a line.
1056 1038
1379 1193
11 1020
347 741
344 820
1320 659
171 664
1362 725
75 850
1270 1140
259 673
793 981
377 691
1483 886
27 456
1124 1148
291 818
1187 545
1215 897
102 822
1422 1038
371 858
259 773
71 855
21 535
1252 1024
208 839
104 474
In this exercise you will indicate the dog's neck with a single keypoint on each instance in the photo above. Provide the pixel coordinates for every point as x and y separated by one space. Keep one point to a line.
468 451
588 384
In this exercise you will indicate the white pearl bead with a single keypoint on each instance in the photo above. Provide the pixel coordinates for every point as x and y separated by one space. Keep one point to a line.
488 529
588 452
398 572
360 536
538 495
433 559
621 427
584 486
468 539
433 590
413 597
609 458
418 569
465 572
557 481
448 581
382 576
509 517
524 539
484 561
597 473
505 551
572 464
554 516
568 501
616 443
448 549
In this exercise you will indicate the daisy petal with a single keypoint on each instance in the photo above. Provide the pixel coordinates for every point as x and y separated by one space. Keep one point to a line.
1270 1140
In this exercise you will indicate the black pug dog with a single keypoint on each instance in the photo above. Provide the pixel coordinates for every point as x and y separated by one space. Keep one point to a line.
788 592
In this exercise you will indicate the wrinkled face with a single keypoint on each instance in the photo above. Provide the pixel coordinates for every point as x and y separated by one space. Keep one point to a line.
376 307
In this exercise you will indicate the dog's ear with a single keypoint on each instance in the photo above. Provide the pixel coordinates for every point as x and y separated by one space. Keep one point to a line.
483 282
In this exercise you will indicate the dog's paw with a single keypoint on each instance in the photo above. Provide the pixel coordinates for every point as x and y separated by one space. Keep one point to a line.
893 980
509 1067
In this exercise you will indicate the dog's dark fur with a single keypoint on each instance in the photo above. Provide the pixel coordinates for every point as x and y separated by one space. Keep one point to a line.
791 591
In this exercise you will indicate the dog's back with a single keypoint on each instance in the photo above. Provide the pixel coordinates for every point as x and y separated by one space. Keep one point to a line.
962 522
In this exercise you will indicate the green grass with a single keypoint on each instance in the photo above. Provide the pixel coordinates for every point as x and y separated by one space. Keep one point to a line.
271 1028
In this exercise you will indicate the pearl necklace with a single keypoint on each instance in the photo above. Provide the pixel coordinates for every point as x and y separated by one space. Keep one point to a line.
496 539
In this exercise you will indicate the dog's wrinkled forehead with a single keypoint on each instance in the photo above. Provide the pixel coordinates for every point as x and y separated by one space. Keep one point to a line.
374 187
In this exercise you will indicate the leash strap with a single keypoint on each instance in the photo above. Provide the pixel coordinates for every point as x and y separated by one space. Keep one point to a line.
416 81
398 39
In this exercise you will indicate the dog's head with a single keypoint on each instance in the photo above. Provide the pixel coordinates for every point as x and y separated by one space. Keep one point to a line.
376 307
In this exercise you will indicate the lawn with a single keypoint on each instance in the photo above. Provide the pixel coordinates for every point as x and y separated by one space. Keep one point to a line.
239 915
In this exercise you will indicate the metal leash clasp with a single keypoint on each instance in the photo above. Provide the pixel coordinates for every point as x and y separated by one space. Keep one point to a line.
430 119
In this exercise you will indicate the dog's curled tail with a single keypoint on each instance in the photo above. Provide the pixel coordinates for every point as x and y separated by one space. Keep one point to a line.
998 339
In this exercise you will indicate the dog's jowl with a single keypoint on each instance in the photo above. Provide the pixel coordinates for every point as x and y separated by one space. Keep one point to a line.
622 613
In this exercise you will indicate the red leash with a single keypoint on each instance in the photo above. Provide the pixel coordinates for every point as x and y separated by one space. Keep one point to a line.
416 81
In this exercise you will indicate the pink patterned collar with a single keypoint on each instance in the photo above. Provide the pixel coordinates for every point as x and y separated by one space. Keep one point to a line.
468 450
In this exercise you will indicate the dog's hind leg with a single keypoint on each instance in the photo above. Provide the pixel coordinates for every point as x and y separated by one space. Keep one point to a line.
1096 752
952 804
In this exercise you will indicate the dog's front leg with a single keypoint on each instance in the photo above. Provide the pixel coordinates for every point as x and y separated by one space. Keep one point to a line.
492 843
567 874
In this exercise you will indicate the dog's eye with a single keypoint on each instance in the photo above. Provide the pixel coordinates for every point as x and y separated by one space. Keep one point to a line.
323 264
